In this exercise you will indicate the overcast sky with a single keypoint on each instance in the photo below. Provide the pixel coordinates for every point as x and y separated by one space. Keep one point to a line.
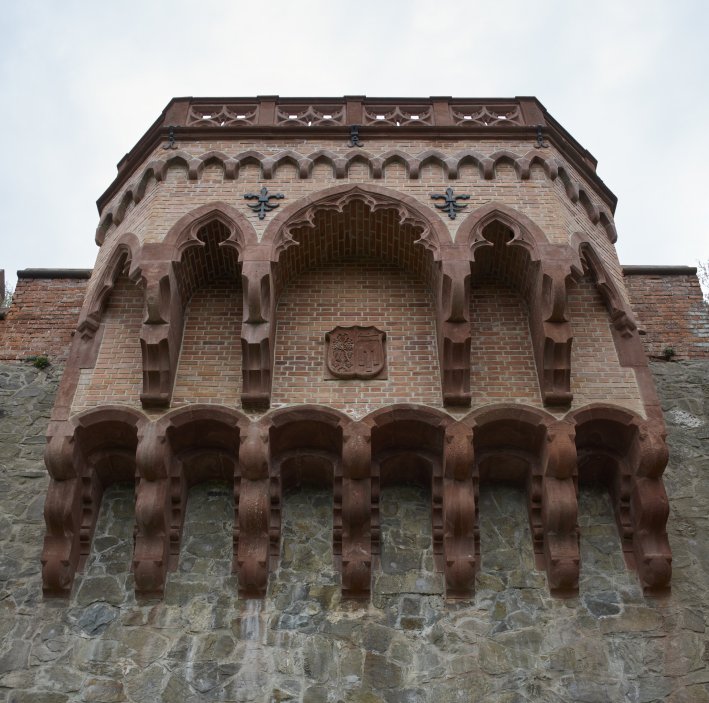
81 82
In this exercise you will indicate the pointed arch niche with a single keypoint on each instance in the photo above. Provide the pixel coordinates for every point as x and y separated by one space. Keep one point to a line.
209 281
193 277
108 332
356 257
518 309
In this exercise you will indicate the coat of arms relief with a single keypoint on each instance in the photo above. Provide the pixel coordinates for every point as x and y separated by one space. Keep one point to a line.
355 353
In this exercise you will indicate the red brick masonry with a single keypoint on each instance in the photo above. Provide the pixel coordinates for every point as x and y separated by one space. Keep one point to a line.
668 303
42 317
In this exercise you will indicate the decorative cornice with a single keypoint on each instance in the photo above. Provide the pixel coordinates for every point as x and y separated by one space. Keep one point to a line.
340 164
270 118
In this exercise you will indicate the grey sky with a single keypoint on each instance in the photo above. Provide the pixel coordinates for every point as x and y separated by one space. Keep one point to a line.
81 81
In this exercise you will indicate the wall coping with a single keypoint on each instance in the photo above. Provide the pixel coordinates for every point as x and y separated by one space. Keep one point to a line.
54 273
641 270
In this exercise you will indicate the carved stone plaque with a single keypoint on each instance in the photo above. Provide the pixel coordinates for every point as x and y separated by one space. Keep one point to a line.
355 353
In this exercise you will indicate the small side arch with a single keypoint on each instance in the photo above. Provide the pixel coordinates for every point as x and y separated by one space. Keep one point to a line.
621 316
171 270
526 232
506 243
124 256
183 233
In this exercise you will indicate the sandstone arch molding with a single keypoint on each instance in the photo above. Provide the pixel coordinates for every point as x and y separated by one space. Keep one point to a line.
623 324
621 317
529 446
83 456
406 438
549 270
167 279
307 447
629 455
123 259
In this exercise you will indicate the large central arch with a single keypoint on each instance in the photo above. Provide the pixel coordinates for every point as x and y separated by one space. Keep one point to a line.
385 225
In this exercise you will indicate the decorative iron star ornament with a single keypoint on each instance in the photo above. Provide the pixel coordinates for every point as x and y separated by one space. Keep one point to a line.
541 144
451 206
354 136
170 139
263 205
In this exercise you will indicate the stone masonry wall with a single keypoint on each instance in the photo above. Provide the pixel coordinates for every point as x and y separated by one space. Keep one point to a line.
668 303
512 642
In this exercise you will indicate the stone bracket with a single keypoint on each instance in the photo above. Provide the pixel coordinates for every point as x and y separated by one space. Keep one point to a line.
356 512
161 332
460 526
253 514
257 334
453 321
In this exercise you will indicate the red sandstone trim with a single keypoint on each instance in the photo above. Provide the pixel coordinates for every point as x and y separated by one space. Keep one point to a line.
444 117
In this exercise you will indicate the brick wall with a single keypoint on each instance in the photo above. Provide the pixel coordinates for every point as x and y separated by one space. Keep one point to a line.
117 376
669 306
596 373
209 370
363 293
501 360
43 314
46 305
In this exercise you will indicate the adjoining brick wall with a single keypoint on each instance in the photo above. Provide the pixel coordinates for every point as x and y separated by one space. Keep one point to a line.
43 314
668 303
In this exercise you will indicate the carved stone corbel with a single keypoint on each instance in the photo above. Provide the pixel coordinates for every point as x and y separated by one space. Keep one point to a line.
154 511
560 510
356 512
161 333
257 332
460 540
553 345
62 512
454 331
649 509
252 539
